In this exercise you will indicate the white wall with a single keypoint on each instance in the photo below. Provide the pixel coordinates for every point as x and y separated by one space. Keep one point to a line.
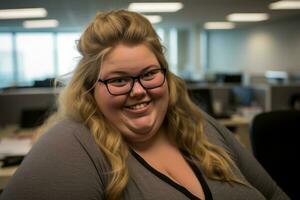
189 55
267 46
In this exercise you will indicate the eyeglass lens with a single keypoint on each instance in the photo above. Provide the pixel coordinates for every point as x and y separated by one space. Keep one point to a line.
149 80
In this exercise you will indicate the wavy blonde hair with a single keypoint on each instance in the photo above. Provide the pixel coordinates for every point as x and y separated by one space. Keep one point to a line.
184 120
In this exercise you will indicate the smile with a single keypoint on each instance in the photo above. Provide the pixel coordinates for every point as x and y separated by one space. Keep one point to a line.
138 106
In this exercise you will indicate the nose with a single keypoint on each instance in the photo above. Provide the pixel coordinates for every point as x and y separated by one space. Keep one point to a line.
137 89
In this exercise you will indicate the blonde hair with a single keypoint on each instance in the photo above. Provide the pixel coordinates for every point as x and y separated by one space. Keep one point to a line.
184 119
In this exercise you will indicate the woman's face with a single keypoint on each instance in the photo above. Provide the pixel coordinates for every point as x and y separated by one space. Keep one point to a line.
139 114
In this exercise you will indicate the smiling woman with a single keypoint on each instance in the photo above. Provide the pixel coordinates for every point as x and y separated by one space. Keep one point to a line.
139 114
127 129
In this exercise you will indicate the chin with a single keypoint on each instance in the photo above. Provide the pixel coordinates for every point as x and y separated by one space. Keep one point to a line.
141 130
141 134
139 138
142 125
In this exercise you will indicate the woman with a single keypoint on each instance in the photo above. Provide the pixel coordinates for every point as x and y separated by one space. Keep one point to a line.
126 129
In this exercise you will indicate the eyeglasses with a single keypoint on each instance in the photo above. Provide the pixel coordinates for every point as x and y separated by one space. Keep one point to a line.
124 84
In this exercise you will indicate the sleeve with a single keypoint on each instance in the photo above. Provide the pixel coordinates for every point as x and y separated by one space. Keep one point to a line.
57 167
249 166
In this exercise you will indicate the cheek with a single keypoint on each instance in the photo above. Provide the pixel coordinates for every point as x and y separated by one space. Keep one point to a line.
160 96
161 92
106 102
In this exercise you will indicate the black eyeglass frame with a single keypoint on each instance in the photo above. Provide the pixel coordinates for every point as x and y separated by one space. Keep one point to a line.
163 70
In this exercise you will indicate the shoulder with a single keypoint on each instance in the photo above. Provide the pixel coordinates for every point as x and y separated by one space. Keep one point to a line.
70 143
65 163
67 127
246 166
67 132
69 137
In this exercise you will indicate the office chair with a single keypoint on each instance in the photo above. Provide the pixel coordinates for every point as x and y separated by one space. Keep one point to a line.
274 142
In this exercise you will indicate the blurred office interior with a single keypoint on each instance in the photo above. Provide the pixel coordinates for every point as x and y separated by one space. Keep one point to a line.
233 72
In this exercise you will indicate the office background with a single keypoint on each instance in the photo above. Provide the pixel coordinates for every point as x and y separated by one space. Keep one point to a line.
251 48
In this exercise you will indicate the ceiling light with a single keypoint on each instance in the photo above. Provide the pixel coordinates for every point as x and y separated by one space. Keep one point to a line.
154 19
280 5
49 23
247 17
277 74
155 7
219 25
23 13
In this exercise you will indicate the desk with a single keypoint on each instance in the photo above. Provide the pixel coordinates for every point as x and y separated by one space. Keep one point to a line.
235 121
12 131
5 174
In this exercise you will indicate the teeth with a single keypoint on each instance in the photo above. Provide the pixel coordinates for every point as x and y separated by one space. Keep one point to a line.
138 106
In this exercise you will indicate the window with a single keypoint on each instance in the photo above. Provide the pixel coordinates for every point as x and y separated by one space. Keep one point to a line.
67 53
35 56
160 32
29 56
173 48
6 60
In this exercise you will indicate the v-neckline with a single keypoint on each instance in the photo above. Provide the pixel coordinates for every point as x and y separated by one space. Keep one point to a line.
180 188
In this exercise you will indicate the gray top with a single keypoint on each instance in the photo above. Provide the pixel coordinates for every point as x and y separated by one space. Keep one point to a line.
67 164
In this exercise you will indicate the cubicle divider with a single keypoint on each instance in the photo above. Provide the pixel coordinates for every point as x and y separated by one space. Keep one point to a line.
17 106
222 101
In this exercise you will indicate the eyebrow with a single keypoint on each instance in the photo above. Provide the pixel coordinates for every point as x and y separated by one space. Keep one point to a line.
121 72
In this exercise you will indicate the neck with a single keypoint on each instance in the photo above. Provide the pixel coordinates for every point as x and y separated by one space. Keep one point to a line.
158 140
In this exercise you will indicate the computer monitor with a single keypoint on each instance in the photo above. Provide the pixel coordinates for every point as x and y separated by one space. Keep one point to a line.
202 98
242 96
228 78
31 118
48 82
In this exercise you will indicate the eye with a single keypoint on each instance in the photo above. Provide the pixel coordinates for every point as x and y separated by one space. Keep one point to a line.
119 82
150 75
